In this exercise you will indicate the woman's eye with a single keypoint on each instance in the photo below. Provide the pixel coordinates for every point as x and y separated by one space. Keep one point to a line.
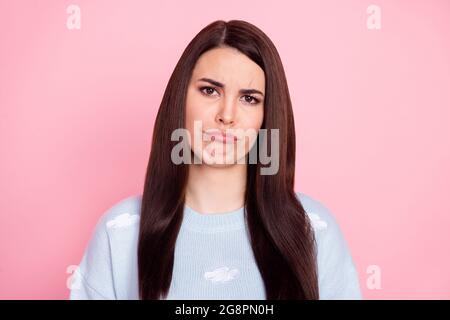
251 100
207 90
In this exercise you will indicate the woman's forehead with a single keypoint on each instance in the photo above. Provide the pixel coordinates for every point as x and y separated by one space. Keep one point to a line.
229 67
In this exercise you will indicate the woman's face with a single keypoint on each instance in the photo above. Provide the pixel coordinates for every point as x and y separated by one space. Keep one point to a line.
225 95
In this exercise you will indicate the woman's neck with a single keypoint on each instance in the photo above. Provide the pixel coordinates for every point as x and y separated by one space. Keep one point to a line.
212 190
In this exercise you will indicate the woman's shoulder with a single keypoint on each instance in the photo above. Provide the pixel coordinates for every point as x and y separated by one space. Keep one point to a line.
327 229
338 276
108 259
320 215
123 213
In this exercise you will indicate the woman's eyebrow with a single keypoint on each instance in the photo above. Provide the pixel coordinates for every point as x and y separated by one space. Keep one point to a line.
221 85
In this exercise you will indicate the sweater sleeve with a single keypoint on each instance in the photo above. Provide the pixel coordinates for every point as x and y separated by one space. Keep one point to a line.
93 279
338 277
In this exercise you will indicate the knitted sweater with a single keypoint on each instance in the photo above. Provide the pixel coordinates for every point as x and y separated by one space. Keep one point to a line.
213 256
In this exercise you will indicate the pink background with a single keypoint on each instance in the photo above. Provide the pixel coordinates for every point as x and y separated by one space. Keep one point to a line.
372 111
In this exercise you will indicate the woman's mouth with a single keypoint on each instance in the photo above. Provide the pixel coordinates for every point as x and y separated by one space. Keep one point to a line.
219 136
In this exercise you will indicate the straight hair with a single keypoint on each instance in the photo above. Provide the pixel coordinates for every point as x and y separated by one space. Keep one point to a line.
279 229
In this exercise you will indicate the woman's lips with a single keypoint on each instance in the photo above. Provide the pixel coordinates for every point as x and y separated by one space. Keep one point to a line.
217 135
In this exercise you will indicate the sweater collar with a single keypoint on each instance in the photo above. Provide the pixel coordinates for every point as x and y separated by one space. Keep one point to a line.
213 222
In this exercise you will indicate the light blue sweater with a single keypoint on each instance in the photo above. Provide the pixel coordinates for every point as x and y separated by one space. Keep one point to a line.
213 257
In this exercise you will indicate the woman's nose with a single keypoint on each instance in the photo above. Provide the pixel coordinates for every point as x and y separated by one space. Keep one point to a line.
227 113
224 120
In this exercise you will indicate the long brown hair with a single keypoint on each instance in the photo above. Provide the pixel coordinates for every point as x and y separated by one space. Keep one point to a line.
280 232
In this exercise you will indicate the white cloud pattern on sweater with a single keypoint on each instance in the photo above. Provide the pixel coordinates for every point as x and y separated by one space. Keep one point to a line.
123 220
317 222
222 274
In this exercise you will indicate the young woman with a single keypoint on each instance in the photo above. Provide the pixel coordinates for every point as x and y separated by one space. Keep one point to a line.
214 226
